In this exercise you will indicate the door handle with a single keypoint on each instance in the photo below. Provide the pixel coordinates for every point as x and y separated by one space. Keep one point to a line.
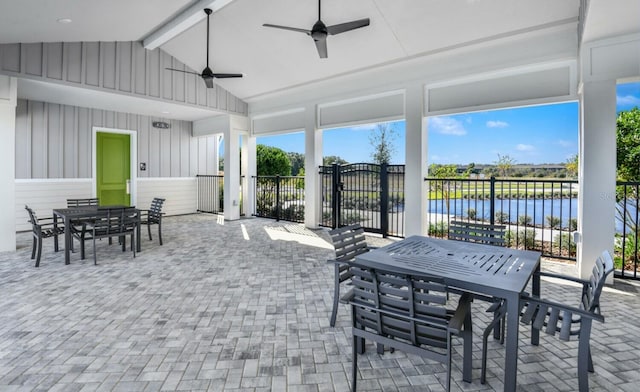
128 184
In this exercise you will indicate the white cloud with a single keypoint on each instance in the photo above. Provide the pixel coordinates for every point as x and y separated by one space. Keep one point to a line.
565 143
447 126
497 124
365 127
525 147
628 100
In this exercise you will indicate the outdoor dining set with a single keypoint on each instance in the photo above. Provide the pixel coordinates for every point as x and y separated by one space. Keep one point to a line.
86 220
398 296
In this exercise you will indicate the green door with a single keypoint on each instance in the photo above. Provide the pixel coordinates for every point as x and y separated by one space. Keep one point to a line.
113 168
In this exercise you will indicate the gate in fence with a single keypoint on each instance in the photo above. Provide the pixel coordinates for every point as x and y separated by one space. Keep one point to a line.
365 193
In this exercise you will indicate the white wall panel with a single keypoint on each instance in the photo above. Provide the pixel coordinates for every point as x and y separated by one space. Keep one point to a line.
279 122
45 195
371 109
180 194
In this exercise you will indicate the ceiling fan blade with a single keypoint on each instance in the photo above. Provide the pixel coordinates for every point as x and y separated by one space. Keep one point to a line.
180 70
321 45
308 32
343 27
208 81
226 75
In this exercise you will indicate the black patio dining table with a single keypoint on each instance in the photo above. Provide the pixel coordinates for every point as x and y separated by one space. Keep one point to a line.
484 269
69 215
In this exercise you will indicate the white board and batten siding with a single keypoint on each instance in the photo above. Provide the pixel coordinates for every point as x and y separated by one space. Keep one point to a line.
44 195
180 194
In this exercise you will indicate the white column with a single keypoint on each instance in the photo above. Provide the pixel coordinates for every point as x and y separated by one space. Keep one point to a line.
597 173
215 154
8 102
312 160
231 174
415 194
249 191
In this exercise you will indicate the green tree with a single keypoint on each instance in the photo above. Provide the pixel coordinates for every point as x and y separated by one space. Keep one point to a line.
505 164
382 140
572 166
297 162
442 187
272 161
628 144
331 159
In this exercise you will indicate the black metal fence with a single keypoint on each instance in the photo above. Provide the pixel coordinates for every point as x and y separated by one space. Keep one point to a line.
365 193
210 193
279 197
539 214
626 242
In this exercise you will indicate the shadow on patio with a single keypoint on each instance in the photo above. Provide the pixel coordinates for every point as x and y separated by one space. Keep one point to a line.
245 305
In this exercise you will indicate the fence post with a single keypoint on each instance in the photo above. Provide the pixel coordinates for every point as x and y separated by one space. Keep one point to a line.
335 196
277 198
492 198
384 200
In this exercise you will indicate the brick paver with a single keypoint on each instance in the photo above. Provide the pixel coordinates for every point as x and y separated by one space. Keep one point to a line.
244 306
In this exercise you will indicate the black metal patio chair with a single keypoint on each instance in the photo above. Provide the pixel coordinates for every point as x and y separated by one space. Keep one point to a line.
90 201
349 242
553 317
407 313
153 216
114 222
483 233
42 228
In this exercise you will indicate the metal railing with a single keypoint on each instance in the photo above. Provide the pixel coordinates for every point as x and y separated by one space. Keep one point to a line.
539 214
279 197
626 242
210 193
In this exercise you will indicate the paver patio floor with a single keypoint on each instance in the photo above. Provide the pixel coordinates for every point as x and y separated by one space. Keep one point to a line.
244 306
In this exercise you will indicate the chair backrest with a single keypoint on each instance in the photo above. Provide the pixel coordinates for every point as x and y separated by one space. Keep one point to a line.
155 211
483 233
33 219
349 242
403 308
592 291
92 201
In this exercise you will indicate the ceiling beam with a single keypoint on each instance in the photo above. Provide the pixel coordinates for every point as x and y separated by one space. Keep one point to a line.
184 21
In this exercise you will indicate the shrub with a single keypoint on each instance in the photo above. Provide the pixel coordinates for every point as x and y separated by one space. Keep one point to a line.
573 224
471 213
524 220
564 242
553 221
523 239
438 229
502 217
351 218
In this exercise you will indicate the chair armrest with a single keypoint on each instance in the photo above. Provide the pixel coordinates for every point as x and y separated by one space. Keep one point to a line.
565 277
464 307
347 297
566 308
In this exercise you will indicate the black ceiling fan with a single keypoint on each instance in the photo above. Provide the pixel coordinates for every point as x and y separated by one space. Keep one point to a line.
207 74
320 31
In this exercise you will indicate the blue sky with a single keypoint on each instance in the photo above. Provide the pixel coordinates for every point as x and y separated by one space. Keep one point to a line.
534 134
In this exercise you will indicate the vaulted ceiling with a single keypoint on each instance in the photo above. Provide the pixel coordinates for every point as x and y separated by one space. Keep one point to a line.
274 60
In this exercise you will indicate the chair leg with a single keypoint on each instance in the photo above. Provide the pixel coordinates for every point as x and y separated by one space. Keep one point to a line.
449 362
33 248
336 296
354 366
95 259
497 320
133 245
467 349
39 252
583 355
160 231
149 230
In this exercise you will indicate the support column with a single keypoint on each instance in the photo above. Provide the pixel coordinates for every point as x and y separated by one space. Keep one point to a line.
415 194
597 173
249 171
312 160
231 173
8 102
216 154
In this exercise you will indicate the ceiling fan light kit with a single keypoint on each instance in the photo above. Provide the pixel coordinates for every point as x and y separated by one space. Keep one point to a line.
207 74
320 31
